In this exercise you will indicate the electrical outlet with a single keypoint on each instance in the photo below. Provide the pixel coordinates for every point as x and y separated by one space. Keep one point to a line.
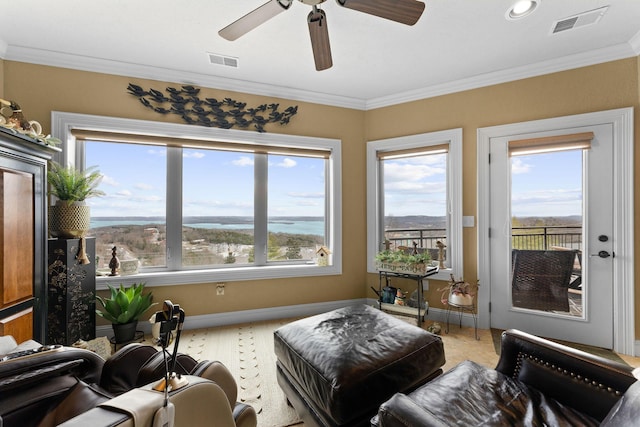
219 288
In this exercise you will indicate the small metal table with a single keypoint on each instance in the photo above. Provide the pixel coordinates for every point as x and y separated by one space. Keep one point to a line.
403 309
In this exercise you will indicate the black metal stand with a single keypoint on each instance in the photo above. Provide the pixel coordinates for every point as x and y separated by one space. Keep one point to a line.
461 309
383 276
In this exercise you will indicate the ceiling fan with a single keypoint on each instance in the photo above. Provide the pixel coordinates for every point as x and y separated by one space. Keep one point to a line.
403 11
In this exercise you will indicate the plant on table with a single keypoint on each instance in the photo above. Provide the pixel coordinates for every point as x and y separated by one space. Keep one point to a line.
458 292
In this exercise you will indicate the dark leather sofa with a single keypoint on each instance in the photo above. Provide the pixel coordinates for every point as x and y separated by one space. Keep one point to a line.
535 383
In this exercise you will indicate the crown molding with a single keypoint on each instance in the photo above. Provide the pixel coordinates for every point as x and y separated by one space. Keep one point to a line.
569 62
119 68
84 63
3 49
635 43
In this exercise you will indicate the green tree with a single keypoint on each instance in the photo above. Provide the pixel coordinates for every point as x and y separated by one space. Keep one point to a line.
230 259
293 250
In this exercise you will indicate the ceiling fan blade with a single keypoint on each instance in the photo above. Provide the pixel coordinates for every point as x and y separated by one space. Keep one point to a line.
404 11
320 39
254 18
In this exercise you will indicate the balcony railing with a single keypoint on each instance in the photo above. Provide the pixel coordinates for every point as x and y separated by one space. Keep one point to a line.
546 237
424 237
536 237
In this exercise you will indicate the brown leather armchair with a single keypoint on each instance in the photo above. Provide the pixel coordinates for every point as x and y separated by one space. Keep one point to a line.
536 382
78 388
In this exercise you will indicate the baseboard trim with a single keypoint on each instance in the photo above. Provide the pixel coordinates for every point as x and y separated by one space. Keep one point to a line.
247 316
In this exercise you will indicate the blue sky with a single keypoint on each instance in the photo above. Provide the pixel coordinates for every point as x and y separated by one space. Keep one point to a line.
221 183
215 183
415 186
547 184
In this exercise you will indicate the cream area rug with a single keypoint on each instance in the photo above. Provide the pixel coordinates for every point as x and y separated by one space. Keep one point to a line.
247 350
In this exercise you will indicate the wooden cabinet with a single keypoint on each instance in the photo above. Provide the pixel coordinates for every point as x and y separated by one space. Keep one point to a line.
23 236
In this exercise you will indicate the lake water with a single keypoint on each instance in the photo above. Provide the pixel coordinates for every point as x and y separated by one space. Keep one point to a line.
315 228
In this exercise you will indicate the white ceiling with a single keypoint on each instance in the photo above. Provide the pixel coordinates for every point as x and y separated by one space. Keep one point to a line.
456 45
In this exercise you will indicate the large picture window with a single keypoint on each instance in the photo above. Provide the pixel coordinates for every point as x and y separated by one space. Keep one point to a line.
208 203
414 197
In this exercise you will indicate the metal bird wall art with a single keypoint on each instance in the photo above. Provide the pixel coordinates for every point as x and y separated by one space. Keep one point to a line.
210 112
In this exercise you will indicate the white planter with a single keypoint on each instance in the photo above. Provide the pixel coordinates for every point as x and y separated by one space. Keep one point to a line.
460 299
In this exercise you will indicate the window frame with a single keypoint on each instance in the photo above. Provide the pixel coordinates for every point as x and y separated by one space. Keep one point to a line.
375 196
63 123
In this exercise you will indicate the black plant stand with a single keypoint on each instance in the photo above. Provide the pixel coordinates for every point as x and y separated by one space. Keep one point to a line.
71 292
138 337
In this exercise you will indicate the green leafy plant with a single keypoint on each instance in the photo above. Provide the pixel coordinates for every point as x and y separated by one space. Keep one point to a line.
125 304
400 256
73 185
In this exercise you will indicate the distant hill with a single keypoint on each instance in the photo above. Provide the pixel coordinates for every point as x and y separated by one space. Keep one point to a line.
532 221
415 222
424 221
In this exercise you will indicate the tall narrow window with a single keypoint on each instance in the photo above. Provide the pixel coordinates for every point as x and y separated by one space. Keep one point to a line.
414 185
132 215
415 197
296 213
217 207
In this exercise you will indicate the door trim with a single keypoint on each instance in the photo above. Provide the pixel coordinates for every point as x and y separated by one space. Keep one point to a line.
623 225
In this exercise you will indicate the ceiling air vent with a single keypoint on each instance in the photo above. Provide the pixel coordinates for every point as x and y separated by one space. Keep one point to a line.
229 61
580 20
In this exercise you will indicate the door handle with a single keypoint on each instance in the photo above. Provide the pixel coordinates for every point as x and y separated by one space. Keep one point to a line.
602 254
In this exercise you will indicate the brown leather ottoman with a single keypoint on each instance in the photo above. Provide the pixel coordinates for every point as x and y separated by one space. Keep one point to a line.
336 368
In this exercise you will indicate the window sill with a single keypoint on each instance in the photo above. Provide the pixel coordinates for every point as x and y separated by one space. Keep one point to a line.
171 278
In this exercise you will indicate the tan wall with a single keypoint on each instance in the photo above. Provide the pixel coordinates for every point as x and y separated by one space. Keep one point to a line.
1 78
596 88
41 90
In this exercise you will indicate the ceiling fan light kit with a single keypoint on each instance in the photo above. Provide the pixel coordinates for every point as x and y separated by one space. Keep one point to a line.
406 12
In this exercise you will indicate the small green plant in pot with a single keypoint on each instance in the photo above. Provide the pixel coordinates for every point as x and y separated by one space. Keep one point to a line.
70 217
123 309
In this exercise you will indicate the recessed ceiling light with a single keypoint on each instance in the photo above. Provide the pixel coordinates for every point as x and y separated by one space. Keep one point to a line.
522 8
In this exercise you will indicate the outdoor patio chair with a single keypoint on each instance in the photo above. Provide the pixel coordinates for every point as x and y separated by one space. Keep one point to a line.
540 279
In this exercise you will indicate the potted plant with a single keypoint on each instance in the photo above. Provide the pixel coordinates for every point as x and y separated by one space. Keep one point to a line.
402 262
123 309
69 218
458 293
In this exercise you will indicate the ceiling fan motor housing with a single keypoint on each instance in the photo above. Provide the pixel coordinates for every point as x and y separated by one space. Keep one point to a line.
312 2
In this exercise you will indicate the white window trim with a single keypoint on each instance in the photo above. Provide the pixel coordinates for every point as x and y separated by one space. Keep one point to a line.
454 181
62 123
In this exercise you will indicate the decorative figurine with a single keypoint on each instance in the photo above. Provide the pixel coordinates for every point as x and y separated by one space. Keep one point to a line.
114 264
440 247
399 300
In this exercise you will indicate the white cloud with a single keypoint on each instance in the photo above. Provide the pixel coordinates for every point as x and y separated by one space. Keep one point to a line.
143 186
410 172
243 161
109 180
156 152
287 163
193 155
518 166
306 195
